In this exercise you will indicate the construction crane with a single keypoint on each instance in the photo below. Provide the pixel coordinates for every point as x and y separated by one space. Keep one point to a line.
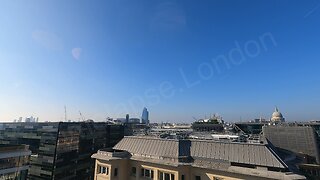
82 117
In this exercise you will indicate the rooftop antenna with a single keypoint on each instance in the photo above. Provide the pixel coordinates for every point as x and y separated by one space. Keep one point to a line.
65 113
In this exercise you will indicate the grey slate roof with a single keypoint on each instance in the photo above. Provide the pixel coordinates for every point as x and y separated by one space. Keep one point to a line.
298 139
254 154
149 146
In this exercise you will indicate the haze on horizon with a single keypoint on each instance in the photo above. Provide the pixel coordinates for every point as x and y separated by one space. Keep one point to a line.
180 59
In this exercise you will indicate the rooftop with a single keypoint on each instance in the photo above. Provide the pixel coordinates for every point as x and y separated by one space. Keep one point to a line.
182 150
258 160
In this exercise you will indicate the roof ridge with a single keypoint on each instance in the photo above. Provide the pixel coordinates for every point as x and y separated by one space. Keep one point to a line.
270 148
221 142
150 138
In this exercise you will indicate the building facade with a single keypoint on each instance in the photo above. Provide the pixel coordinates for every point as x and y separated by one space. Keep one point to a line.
135 158
207 127
14 162
61 150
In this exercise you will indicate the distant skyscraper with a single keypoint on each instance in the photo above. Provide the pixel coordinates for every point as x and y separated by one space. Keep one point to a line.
127 118
145 116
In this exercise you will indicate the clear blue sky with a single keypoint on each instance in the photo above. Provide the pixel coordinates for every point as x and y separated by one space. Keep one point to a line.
178 58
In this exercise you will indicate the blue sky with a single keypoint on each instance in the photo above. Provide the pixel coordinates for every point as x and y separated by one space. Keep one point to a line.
181 59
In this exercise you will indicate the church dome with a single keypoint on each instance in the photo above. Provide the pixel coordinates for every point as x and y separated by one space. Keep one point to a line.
277 116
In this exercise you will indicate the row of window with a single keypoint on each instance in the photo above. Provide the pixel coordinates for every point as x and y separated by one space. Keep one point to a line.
166 176
148 173
103 170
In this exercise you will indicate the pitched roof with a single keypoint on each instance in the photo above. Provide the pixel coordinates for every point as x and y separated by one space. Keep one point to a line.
254 154
149 146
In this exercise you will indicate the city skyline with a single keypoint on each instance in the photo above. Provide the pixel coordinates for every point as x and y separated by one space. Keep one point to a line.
177 58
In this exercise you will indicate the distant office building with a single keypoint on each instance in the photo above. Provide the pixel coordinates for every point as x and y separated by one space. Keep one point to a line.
214 123
31 119
145 116
259 120
120 120
209 127
136 158
134 127
14 162
134 120
28 119
277 117
61 150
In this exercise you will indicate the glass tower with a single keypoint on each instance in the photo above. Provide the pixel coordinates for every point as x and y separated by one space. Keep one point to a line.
145 116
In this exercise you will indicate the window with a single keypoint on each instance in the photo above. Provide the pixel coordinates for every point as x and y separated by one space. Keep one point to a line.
103 170
198 178
115 171
133 171
165 176
172 176
217 178
182 177
147 173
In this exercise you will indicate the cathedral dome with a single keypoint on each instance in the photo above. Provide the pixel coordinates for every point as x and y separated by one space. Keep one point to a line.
277 116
